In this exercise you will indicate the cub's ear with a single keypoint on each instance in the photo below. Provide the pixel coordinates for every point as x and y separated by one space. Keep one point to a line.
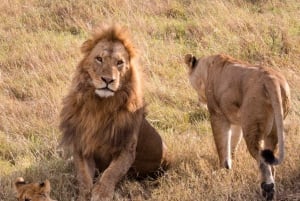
87 46
190 60
45 186
19 182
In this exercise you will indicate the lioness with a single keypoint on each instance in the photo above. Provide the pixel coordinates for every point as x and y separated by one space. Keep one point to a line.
103 117
32 191
243 98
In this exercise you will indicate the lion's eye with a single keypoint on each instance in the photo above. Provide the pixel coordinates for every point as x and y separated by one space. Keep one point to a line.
120 63
98 59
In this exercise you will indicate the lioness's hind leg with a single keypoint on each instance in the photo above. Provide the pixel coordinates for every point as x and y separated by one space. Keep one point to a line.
236 136
253 134
271 140
222 136
267 184
268 171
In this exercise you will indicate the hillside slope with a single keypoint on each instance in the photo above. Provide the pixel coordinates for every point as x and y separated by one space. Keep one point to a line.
40 42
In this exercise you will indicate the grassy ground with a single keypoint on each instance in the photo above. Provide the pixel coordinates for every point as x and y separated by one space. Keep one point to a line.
40 42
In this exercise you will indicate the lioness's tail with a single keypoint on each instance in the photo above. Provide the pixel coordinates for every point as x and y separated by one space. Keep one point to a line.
273 88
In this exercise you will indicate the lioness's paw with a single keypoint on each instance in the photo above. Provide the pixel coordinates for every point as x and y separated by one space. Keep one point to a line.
268 190
228 164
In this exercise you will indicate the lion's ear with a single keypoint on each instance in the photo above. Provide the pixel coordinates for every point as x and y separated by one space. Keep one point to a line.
45 186
87 46
190 60
19 182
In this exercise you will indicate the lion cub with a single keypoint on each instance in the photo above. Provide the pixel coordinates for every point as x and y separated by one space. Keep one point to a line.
243 99
32 191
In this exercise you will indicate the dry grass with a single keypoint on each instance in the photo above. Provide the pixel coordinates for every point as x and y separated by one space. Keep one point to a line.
40 42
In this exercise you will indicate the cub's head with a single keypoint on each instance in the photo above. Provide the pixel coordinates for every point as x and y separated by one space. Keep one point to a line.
197 73
108 59
32 191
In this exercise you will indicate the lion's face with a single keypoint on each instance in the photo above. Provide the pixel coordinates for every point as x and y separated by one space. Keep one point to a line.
32 191
107 65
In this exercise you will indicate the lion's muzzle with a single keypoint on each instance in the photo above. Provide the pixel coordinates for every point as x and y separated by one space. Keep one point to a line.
107 88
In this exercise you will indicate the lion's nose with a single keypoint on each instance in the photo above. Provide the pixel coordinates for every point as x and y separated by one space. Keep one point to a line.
107 80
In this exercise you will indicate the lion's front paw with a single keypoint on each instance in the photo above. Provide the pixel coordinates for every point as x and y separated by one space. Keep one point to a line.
102 193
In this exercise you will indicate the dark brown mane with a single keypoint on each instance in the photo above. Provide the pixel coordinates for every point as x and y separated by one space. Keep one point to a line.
87 121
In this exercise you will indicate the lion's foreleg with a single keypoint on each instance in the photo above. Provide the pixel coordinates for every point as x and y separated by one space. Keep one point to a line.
104 188
222 136
85 170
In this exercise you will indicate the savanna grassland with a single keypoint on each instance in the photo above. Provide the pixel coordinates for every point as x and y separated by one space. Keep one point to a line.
39 50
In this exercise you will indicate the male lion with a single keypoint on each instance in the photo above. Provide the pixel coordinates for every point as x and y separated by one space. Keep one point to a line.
32 191
242 98
103 117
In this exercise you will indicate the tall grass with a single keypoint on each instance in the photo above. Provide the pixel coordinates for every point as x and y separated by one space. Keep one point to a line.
40 42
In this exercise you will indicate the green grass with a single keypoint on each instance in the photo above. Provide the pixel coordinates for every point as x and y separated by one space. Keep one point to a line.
40 41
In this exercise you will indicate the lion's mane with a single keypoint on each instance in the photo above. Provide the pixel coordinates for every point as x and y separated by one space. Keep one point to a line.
88 121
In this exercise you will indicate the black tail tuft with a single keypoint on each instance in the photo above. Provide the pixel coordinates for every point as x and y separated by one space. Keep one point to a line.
268 156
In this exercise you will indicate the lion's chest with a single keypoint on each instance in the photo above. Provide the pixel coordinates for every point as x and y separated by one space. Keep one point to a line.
103 156
105 132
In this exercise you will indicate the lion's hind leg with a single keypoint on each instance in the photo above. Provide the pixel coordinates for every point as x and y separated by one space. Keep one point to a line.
152 155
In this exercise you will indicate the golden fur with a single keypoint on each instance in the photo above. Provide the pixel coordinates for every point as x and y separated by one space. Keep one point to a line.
32 191
247 100
103 118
